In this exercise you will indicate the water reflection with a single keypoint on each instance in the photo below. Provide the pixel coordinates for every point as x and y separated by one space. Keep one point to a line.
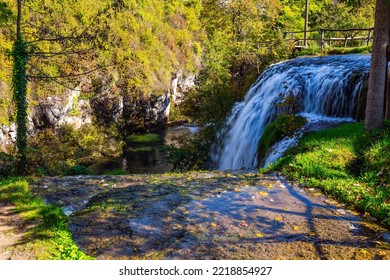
143 153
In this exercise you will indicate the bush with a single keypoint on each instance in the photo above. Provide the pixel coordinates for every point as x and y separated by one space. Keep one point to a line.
78 170
192 154
7 165
68 151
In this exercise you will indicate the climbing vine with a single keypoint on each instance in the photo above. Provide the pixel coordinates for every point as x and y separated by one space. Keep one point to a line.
19 81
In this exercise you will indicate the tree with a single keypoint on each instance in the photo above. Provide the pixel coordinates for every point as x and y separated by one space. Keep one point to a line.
22 51
379 64
19 81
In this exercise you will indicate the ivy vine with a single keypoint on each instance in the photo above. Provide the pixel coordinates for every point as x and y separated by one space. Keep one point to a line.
19 81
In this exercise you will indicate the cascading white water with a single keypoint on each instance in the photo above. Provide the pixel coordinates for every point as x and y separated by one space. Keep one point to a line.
326 86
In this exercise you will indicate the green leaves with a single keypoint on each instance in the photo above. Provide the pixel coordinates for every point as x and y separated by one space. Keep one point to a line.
5 13
19 81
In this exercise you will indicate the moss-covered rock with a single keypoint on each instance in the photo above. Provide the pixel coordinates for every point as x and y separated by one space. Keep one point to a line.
286 125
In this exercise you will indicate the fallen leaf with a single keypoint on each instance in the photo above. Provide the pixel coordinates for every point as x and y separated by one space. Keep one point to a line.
296 228
259 235
363 251
278 218
263 193
213 224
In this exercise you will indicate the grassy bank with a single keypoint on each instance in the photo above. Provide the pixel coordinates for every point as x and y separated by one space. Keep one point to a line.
50 237
316 50
346 163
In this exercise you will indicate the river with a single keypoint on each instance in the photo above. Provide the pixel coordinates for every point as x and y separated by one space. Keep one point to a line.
143 152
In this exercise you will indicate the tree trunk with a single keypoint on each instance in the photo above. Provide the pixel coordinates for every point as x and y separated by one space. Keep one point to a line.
387 112
19 81
377 81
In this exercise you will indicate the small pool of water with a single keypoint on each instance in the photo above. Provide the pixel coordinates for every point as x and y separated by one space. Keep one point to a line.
143 153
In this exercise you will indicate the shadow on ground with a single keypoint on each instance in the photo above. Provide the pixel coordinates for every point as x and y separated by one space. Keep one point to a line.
209 216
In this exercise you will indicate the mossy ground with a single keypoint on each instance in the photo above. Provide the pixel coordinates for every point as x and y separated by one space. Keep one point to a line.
283 126
346 163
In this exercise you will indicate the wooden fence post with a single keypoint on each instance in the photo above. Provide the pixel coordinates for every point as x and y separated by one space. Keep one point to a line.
322 39
369 37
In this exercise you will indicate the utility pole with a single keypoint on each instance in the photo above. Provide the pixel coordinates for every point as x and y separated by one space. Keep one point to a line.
306 23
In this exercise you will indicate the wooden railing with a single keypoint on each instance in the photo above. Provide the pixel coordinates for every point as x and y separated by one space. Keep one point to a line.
324 37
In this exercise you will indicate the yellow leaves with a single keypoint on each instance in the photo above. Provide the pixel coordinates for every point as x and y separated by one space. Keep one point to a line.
186 212
278 218
213 225
296 228
363 253
259 235
382 245
316 194
263 193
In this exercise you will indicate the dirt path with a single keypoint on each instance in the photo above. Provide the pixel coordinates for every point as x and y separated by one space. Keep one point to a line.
210 215
12 229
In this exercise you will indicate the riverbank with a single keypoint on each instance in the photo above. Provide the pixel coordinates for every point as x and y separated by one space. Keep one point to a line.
346 163
214 215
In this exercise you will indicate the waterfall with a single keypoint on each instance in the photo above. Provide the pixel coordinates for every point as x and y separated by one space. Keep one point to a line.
327 88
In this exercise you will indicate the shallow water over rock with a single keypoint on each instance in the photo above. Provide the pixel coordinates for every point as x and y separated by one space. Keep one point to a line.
213 215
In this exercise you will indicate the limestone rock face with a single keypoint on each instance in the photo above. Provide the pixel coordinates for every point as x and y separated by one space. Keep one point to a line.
181 85
56 111
7 135
107 106
144 113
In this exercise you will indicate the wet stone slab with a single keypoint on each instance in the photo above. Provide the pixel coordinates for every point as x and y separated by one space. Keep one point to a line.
210 215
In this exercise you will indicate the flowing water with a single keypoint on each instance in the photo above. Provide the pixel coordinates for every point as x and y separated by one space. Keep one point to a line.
209 215
326 88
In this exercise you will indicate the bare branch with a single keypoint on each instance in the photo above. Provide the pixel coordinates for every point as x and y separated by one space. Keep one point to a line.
56 81
45 76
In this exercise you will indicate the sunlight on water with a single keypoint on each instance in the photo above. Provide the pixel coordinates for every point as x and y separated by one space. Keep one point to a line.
327 87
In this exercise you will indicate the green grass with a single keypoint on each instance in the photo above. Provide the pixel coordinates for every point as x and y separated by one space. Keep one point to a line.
144 138
346 163
50 238
116 172
316 50
347 50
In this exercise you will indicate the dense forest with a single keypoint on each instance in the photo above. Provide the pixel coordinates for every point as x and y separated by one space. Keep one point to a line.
98 69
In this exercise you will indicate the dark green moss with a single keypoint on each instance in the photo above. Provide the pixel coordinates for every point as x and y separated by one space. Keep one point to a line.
286 125
144 138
